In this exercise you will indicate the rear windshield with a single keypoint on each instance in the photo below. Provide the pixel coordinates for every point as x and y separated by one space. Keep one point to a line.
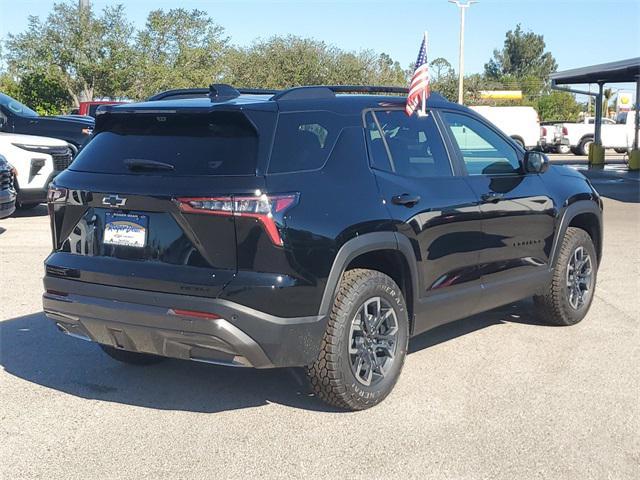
220 143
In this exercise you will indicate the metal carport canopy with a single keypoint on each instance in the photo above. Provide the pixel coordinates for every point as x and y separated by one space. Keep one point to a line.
612 72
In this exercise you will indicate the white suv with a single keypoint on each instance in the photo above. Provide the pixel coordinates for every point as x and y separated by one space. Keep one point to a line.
37 161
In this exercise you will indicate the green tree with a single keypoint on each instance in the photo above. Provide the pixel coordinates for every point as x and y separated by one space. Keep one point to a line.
607 94
286 61
558 107
440 69
523 55
178 49
89 55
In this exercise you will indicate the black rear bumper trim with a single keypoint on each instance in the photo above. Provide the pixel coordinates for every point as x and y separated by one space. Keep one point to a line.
139 320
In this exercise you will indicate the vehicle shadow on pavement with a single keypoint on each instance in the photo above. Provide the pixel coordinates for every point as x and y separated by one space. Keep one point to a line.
31 348
38 211
519 312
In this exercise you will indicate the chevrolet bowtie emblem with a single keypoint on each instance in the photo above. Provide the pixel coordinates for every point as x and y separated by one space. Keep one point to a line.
113 201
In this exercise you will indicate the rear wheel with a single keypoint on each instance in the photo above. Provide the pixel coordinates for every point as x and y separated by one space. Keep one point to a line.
583 147
564 149
131 358
570 293
620 150
365 344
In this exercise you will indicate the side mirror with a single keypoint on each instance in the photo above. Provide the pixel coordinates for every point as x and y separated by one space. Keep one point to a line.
535 162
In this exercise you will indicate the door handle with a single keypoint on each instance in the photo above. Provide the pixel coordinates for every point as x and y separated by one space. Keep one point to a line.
405 199
492 197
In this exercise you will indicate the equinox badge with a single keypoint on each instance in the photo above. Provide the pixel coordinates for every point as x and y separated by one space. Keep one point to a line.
113 201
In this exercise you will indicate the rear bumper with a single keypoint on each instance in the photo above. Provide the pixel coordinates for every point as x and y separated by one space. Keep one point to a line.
142 321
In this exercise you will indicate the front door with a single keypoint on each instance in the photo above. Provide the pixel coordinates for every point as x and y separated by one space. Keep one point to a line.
431 206
518 215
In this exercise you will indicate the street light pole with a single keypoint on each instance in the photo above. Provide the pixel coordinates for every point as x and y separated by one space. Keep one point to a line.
462 5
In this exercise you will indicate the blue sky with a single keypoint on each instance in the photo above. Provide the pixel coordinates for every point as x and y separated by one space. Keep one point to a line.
577 32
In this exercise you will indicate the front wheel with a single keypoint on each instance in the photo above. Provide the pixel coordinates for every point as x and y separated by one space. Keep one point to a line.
569 295
365 343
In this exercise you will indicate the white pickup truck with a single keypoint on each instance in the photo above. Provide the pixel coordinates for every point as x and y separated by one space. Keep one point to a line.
617 134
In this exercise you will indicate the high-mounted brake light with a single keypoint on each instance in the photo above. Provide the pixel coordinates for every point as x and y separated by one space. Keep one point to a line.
267 209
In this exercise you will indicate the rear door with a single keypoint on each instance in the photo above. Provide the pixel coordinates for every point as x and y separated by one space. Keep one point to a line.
149 202
432 206
518 214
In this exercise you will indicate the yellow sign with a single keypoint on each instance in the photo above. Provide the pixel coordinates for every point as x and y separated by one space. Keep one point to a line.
501 94
625 101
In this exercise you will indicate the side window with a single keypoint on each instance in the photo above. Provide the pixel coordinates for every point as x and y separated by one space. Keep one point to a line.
377 151
483 150
407 146
303 141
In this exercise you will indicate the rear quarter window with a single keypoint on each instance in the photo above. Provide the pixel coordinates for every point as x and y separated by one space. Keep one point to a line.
304 140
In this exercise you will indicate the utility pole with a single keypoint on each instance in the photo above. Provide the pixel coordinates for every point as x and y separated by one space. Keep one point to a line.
83 4
462 5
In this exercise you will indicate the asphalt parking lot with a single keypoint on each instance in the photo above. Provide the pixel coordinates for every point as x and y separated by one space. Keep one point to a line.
497 395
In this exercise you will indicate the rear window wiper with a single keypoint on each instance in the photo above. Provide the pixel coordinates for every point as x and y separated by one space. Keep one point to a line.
143 164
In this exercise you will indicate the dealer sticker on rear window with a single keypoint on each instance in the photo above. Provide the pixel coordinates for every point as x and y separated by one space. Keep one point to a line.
125 229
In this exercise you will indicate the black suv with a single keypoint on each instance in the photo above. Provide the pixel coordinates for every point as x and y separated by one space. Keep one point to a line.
308 227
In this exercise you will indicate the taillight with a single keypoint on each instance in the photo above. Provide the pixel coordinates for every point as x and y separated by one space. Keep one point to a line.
544 132
56 194
565 131
268 209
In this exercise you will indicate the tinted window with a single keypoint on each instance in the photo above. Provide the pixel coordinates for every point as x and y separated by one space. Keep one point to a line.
220 143
303 141
15 106
411 147
377 151
92 109
483 150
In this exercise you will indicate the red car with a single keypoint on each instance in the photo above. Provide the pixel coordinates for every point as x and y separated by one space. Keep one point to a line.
89 108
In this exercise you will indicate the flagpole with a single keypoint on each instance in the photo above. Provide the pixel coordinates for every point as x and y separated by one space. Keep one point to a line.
424 91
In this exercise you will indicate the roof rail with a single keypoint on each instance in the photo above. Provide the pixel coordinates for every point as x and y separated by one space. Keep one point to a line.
367 89
196 92
329 91
221 92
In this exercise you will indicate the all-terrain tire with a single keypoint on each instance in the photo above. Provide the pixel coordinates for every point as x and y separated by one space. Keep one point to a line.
553 306
131 358
583 147
331 376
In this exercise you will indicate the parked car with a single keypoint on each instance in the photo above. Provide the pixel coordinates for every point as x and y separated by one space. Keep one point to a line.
617 134
89 108
7 191
18 118
37 161
522 124
551 138
309 228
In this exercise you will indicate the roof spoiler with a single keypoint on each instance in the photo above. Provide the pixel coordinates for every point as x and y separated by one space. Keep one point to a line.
216 91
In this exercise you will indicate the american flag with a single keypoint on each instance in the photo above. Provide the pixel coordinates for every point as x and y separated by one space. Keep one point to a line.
419 86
